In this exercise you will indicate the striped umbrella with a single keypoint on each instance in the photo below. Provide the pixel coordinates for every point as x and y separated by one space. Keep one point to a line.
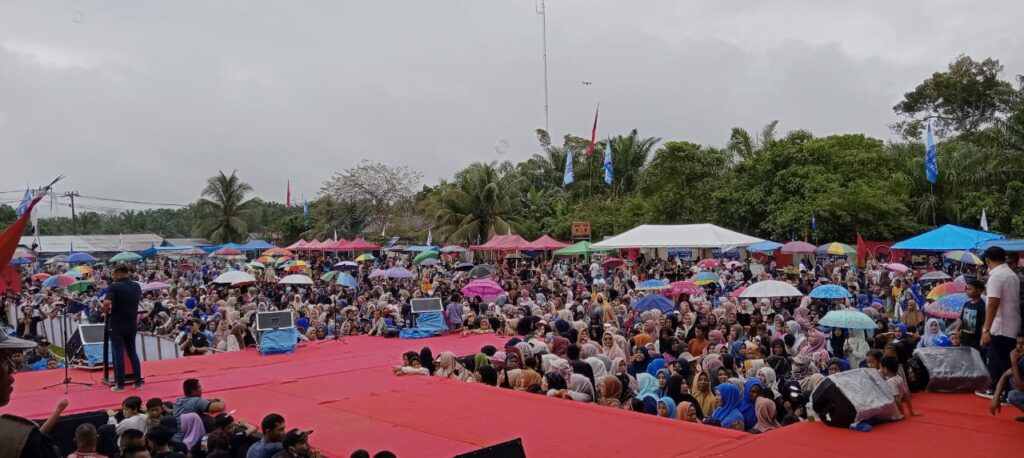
945 289
965 257
836 248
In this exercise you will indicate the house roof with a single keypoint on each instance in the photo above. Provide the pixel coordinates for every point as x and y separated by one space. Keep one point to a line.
57 244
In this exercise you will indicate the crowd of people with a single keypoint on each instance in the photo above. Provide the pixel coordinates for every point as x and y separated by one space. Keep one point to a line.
714 357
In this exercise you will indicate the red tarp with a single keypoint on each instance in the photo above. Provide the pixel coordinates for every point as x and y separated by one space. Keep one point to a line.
360 245
545 243
501 243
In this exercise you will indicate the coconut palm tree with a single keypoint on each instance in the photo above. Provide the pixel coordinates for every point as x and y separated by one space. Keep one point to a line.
629 156
481 204
227 213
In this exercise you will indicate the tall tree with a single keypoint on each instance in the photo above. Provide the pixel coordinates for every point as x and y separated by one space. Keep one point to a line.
629 157
481 204
386 188
227 214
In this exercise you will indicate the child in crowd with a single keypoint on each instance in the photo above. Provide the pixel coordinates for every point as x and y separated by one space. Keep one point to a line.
901 394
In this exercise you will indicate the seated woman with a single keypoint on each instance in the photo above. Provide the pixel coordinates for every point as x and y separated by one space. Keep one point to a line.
666 407
728 414
479 326
414 367
580 389
687 411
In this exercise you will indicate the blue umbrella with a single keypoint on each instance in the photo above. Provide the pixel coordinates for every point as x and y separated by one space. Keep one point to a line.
948 307
20 261
653 301
847 319
829 292
81 257
346 279
653 285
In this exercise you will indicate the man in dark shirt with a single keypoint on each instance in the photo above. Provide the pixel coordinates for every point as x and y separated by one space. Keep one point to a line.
122 307
194 342
18 436
972 317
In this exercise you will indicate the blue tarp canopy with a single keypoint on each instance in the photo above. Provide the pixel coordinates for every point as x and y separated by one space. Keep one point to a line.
255 245
1008 245
948 237
421 248
766 246
427 325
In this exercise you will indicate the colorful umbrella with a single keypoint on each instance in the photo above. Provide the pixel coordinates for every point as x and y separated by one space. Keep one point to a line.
771 288
653 285
296 279
965 257
59 281
80 286
847 319
329 275
945 289
156 285
296 266
40 276
226 253
651 302
277 252
947 307
347 280
707 263
836 248
487 289
82 269
704 278
612 263
429 254
126 256
829 292
797 247
265 259
74 273
365 257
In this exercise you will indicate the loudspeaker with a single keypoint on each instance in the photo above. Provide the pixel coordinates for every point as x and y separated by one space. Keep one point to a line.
853 396
85 346
951 369
510 449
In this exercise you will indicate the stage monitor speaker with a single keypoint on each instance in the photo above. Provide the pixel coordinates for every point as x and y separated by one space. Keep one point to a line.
952 369
853 396
266 321
91 333
430 304
510 449
85 346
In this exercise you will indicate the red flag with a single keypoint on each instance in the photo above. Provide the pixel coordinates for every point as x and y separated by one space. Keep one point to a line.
593 132
288 197
862 250
10 237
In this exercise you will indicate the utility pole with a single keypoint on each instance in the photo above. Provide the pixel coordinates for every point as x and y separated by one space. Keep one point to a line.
74 218
542 11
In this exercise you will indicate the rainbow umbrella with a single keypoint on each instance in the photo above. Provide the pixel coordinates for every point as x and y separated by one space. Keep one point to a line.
59 281
965 257
296 266
265 259
278 252
74 274
82 269
704 278
945 289
947 307
365 257
836 248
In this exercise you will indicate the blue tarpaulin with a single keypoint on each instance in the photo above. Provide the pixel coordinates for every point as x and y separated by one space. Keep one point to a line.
255 245
1008 245
766 246
946 238
279 341
427 325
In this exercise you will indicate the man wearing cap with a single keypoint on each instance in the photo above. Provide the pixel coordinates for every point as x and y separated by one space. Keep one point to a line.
18 437
296 445
40 353
122 307
1002 314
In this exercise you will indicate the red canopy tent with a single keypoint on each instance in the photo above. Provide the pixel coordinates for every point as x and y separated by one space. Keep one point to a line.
310 246
339 245
501 243
359 244
297 245
545 243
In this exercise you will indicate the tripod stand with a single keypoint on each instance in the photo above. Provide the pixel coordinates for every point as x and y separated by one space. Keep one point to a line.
67 374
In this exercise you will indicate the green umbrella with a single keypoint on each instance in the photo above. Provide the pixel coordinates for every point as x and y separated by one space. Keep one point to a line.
429 254
329 275
126 256
79 286
580 249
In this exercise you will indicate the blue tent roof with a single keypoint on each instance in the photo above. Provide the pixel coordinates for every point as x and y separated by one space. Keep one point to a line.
421 248
948 237
255 245
1008 245
766 246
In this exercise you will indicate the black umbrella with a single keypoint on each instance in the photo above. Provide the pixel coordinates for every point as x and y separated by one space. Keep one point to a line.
464 266
481 271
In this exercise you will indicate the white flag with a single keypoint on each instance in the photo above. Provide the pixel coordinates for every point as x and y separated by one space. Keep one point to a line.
984 221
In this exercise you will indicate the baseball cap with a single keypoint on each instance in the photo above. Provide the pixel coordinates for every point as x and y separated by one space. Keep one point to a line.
295 436
13 343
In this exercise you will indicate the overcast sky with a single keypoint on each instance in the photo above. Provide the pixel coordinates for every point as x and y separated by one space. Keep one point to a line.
144 100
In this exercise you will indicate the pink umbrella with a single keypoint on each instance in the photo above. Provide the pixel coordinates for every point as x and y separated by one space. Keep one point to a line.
707 263
897 267
798 247
683 287
734 264
486 288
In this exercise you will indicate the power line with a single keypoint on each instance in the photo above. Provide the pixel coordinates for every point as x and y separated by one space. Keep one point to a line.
108 199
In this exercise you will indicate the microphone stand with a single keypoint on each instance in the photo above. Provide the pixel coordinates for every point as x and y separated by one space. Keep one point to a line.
67 374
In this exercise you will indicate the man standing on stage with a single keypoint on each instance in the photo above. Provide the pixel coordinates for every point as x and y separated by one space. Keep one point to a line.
122 307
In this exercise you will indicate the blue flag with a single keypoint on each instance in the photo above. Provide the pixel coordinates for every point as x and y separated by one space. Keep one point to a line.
814 223
24 203
567 178
608 162
305 212
931 157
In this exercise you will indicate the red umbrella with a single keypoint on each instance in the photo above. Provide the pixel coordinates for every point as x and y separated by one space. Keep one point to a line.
226 252
707 263
612 263
42 276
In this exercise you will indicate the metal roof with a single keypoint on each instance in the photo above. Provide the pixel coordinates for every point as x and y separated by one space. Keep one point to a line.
187 242
57 244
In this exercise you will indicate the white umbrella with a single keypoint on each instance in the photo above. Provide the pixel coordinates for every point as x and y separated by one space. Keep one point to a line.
936 275
771 288
296 279
234 277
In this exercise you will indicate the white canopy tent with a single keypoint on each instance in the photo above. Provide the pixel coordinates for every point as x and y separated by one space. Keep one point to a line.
679 236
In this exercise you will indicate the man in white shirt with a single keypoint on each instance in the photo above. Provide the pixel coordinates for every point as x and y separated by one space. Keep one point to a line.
134 417
1002 314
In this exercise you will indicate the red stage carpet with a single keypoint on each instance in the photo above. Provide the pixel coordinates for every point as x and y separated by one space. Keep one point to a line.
346 393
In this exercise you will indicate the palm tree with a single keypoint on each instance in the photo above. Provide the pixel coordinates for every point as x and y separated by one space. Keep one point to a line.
481 204
629 156
227 214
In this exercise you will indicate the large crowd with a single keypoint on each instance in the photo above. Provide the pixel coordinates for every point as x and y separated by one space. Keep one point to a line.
716 358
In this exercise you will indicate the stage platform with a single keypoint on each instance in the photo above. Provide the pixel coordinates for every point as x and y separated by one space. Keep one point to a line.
345 392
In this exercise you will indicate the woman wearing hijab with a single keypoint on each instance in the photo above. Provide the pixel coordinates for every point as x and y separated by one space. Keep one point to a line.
527 378
856 348
704 394
192 429
687 411
716 338
751 392
641 359
509 378
655 366
765 410
562 368
581 389
815 348
559 345
728 414
487 375
427 359
771 383
597 367
648 392
621 371
679 391
611 392
553 383
584 369
666 407
609 348
932 331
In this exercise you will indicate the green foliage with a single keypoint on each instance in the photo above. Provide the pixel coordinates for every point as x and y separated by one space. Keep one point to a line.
482 203
226 215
